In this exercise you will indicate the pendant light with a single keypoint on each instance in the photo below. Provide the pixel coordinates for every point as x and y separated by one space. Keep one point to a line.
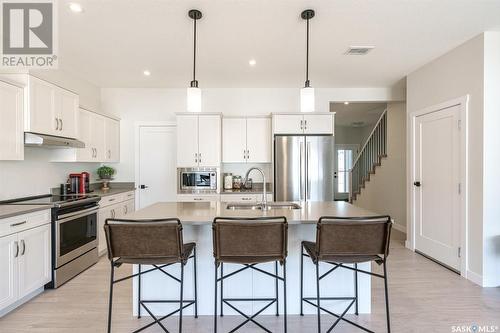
193 92
307 93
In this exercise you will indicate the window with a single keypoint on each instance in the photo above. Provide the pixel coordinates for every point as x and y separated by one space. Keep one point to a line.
344 163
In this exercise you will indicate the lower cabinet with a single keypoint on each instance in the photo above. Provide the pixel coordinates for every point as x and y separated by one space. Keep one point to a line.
244 197
198 198
115 206
25 257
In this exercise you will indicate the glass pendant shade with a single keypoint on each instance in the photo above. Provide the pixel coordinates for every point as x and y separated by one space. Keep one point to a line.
307 99
193 99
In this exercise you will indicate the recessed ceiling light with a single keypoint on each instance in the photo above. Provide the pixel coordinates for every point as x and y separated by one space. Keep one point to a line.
146 73
346 103
75 7
252 62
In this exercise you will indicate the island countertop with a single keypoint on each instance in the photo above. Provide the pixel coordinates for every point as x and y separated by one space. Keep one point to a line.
204 212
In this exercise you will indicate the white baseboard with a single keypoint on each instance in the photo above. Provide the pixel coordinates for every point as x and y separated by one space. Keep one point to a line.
399 227
474 277
21 301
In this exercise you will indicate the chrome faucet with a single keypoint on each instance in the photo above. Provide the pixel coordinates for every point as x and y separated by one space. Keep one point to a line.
264 194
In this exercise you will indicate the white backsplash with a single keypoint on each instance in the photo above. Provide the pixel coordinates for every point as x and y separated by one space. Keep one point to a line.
240 169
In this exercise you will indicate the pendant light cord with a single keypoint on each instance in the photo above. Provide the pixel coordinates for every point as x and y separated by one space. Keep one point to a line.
307 54
194 83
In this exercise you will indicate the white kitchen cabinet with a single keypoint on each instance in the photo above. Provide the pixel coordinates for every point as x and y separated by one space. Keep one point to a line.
40 116
8 270
85 135
128 207
25 256
51 109
11 122
98 134
34 259
319 123
246 140
112 140
66 111
198 197
103 214
198 140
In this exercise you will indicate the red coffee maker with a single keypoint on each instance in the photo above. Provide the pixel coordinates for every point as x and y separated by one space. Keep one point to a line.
80 182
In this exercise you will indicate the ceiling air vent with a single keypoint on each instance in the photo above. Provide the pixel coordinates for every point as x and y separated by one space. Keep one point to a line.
359 50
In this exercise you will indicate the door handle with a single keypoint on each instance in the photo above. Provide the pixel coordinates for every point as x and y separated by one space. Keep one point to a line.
142 187
62 124
417 184
57 124
24 247
16 244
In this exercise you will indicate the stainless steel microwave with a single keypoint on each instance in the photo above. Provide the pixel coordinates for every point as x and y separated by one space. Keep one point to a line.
197 179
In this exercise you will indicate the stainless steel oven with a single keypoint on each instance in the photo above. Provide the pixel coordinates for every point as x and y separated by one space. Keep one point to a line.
197 179
75 231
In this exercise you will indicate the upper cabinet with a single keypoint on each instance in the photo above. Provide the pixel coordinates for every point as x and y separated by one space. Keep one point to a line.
51 110
198 140
112 140
303 123
11 122
246 140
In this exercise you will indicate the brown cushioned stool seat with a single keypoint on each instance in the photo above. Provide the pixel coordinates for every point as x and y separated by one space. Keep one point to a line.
249 242
157 243
342 242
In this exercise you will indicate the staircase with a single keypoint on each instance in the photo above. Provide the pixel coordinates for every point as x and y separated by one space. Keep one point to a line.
369 157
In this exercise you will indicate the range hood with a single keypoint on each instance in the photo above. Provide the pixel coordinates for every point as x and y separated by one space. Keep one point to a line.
50 141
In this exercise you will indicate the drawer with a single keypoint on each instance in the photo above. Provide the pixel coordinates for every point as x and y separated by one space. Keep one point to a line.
19 223
110 200
197 198
128 196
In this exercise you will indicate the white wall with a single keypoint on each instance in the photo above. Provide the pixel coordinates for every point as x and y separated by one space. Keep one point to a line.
136 105
385 192
36 175
471 69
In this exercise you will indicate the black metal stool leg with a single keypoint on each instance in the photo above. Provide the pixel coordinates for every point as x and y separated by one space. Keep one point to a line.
111 282
318 297
215 299
386 299
284 296
195 285
139 294
181 300
276 287
301 280
221 289
356 288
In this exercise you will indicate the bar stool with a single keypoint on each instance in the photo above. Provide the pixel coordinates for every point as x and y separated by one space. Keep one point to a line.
341 241
248 242
157 243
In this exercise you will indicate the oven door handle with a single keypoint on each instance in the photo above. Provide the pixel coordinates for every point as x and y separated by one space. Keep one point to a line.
75 215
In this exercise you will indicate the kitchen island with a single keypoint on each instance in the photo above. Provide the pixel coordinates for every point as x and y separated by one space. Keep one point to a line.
197 226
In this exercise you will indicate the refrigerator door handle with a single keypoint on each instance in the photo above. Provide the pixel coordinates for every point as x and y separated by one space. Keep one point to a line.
308 184
301 175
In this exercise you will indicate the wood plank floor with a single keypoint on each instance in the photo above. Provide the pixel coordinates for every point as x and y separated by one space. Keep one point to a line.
425 297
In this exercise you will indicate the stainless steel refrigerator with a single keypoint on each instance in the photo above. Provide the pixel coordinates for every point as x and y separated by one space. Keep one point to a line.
303 168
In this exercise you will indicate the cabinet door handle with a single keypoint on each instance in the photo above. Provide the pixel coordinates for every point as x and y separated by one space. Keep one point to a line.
244 154
62 124
17 223
57 124
126 209
112 199
112 213
301 124
23 251
246 199
16 244
305 124
198 199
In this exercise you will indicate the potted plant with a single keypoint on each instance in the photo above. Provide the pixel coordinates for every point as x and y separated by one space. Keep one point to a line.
105 174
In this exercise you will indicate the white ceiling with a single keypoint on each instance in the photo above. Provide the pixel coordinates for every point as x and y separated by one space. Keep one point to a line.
113 41
349 115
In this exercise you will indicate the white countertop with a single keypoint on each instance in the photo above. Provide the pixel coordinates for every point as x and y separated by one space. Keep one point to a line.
205 212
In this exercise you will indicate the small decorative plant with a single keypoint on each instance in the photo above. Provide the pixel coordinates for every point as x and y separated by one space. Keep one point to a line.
105 172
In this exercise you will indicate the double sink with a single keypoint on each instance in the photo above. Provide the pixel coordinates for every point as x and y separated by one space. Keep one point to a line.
261 206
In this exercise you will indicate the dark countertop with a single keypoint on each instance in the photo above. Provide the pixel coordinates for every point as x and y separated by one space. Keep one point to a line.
14 210
111 191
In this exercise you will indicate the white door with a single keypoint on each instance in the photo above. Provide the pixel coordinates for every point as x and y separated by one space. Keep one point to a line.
11 122
85 134
157 167
35 268
42 118
288 124
66 108
112 132
318 124
437 198
187 138
259 140
234 140
209 141
8 272
344 156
